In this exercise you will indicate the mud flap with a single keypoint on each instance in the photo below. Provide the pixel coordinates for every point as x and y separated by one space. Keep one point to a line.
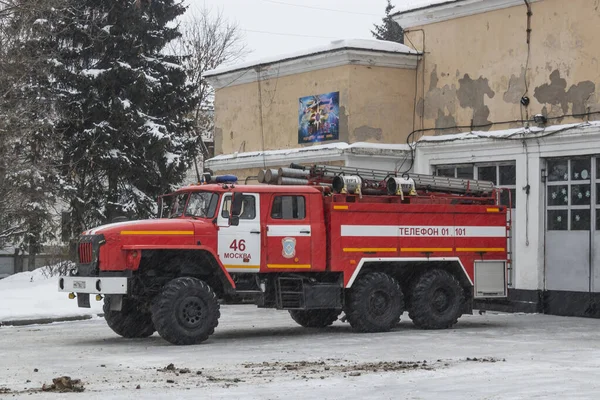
116 302
83 300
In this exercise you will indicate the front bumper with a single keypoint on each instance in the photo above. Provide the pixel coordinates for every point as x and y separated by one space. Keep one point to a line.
96 285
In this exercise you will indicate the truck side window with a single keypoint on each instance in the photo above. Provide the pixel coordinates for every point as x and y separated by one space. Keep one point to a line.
248 207
289 207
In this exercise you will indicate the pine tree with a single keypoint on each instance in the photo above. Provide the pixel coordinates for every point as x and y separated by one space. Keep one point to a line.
389 29
30 150
124 107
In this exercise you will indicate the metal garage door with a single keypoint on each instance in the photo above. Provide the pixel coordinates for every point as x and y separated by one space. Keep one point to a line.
7 266
572 224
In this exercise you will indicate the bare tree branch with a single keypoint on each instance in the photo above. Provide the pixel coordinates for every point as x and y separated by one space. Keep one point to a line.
208 41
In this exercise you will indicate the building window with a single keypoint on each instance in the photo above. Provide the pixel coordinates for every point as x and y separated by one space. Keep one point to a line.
569 194
288 207
502 174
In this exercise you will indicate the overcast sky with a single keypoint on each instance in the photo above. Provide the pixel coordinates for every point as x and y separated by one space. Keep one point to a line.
273 27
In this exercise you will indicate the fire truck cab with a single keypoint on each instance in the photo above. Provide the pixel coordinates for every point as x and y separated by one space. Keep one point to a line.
316 250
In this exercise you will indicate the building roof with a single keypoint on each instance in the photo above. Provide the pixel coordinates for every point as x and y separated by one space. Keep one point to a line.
512 134
336 53
336 45
316 154
423 12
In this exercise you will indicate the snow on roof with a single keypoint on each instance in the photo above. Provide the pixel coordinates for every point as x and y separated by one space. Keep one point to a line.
517 133
360 44
341 146
412 5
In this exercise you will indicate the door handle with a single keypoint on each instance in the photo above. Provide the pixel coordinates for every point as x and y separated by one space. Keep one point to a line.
255 232
304 231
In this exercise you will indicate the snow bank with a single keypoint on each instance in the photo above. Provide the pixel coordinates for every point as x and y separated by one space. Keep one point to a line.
34 295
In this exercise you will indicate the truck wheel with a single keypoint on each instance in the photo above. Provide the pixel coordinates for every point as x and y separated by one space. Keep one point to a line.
315 318
436 300
186 311
375 303
131 321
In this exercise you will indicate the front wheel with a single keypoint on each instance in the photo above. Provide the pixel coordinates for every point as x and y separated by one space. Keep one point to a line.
374 303
133 321
186 311
436 300
315 318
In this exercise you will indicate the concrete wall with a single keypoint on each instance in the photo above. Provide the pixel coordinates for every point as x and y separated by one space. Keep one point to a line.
376 105
476 68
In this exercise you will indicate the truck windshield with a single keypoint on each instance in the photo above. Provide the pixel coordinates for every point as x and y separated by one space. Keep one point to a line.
178 205
202 205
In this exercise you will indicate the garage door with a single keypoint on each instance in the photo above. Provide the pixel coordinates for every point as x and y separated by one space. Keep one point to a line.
572 224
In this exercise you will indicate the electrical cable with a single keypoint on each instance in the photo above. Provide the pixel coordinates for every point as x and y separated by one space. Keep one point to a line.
413 143
290 34
319 8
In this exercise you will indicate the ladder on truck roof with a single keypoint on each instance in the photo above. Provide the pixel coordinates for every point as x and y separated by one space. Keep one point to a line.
373 180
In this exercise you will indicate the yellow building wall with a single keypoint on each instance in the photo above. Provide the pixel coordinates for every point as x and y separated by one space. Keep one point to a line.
376 105
381 104
476 68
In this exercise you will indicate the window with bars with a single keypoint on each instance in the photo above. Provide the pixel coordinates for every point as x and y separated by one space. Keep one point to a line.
569 194
503 174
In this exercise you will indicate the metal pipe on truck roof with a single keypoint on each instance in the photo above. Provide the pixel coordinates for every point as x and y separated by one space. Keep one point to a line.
293 173
261 176
283 180
271 176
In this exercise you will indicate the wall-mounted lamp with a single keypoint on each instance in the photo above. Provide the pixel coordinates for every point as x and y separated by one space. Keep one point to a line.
540 119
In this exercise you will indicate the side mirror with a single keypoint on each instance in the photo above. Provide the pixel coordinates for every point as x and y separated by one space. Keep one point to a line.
236 208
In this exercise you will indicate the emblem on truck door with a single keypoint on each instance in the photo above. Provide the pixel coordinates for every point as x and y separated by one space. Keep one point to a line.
289 247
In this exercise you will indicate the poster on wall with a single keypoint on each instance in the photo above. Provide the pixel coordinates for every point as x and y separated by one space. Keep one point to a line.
318 118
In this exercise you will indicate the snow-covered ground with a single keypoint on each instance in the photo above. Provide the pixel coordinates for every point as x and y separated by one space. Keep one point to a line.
34 295
263 354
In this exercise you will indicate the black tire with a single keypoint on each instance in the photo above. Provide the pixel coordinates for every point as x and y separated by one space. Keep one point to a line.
374 303
315 318
131 322
436 300
186 311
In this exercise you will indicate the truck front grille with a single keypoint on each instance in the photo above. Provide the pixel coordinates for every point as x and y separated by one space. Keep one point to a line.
85 253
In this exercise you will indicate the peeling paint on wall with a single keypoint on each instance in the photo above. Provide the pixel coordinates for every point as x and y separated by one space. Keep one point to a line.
553 92
471 95
365 133
344 136
445 121
438 99
580 96
516 88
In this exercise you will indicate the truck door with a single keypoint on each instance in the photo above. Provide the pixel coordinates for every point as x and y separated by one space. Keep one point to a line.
239 246
289 229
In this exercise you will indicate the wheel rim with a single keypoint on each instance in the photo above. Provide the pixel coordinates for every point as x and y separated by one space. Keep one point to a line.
441 300
190 313
379 303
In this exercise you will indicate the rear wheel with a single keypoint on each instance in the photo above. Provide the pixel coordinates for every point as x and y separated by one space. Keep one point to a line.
131 322
436 300
315 318
186 311
375 303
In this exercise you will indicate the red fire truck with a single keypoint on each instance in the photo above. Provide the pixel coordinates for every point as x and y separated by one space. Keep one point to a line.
323 241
